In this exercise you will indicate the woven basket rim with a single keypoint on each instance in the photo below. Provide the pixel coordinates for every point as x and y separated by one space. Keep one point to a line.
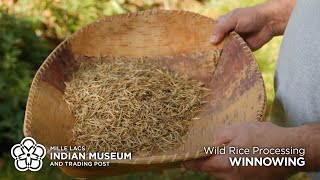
155 159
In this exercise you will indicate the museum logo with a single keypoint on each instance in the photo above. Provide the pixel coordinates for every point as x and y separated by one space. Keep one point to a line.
28 155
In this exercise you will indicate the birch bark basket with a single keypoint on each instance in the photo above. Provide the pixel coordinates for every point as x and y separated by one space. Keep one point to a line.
178 40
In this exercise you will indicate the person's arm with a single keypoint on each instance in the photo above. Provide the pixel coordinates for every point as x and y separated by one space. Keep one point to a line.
310 134
257 24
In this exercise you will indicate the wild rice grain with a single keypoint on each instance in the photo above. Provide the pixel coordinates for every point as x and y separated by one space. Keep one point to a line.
126 105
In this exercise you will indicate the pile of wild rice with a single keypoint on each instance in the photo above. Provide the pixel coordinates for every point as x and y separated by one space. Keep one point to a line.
130 106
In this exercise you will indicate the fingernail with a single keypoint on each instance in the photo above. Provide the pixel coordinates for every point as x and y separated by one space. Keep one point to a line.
213 39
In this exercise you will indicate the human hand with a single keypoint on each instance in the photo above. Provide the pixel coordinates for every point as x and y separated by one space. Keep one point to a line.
257 24
248 135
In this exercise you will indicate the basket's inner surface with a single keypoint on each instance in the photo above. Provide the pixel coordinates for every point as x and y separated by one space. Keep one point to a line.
178 41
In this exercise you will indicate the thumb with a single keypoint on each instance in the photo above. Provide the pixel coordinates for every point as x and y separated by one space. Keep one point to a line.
224 25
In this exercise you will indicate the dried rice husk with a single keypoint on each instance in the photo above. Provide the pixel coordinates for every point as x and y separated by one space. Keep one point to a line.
126 105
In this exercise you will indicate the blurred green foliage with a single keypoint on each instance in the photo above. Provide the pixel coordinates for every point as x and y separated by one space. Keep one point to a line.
21 53
61 18
30 29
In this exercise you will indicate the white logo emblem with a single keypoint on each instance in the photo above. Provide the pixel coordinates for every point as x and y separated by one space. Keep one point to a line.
28 155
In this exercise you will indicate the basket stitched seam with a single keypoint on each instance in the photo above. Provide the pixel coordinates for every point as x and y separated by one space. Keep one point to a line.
35 88
261 86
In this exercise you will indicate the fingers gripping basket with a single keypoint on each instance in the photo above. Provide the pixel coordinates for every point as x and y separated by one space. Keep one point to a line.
175 39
